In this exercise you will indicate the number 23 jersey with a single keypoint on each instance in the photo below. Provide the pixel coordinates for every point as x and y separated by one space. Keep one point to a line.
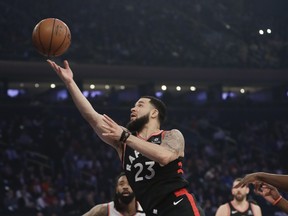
150 181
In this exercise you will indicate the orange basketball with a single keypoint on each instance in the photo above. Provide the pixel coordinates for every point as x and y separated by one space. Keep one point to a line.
51 37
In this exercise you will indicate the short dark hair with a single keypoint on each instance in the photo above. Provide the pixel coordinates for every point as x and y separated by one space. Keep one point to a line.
159 105
122 173
237 179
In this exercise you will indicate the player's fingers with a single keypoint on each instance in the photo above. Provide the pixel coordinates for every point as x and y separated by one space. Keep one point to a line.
258 185
107 121
56 67
106 116
66 64
268 187
51 63
258 192
106 133
108 128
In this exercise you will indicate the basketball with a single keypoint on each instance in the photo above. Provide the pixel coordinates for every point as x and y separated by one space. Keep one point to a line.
51 37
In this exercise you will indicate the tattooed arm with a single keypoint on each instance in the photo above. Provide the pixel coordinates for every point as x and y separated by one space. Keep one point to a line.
171 148
174 142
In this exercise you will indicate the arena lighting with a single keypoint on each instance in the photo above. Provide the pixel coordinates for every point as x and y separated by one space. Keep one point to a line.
159 94
13 92
242 90
92 86
269 31
226 95
107 87
178 88
192 88
52 85
62 95
86 93
261 32
122 87
93 94
164 87
227 26
36 85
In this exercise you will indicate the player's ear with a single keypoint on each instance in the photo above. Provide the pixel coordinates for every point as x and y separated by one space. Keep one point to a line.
247 190
154 113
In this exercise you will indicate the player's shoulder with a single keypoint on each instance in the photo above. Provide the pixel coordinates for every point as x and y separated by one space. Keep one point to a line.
173 132
223 209
254 204
225 206
98 210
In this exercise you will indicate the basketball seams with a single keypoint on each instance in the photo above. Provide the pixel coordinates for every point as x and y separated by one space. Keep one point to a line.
52 34
51 37
39 38
64 39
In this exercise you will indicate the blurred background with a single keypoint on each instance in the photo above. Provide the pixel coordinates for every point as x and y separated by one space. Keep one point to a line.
220 66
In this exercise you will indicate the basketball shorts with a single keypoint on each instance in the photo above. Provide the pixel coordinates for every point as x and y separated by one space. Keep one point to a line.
179 203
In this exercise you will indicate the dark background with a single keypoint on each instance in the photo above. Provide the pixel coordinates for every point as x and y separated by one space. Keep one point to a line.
52 163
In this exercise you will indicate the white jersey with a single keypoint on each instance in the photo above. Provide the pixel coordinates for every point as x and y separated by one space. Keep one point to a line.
113 212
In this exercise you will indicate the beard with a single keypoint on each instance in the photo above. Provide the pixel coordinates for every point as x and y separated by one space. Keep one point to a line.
239 197
138 124
125 199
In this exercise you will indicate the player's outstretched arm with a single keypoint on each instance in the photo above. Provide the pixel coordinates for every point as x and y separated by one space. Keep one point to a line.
278 181
87 111
172 145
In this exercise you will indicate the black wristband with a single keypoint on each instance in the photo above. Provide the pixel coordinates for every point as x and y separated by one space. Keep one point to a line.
124 136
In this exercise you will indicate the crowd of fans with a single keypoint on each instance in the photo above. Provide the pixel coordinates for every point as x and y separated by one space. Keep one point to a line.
182 33
52 163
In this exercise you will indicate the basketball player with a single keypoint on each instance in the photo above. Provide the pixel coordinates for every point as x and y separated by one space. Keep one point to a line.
152 158
124 203
239 206
266 185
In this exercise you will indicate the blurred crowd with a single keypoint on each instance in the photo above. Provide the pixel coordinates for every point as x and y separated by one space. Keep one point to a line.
52 163
186 33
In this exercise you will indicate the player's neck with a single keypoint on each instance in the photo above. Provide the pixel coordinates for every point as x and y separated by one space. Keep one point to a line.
149 130
240 204
131 209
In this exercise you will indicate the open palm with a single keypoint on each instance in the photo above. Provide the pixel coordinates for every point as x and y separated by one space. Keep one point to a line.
65 73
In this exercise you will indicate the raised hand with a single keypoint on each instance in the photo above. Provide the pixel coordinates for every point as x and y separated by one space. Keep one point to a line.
248 179
268 192
114 130
65 73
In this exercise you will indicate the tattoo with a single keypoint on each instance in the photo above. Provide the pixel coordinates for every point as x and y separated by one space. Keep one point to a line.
174 141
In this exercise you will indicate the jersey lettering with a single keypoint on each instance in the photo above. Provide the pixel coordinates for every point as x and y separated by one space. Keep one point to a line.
150 165
138 175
